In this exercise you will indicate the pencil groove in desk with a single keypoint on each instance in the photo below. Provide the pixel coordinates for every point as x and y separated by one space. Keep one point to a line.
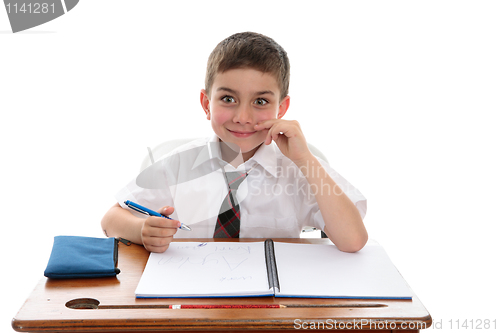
92 304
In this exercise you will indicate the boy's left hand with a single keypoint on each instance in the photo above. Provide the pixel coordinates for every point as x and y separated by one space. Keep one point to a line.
288 136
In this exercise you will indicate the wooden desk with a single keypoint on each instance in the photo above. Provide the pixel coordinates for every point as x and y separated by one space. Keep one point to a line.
109 305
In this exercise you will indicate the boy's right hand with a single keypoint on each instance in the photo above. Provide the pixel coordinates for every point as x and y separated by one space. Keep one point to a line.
158 232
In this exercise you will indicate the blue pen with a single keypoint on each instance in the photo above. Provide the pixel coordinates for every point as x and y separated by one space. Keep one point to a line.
147 211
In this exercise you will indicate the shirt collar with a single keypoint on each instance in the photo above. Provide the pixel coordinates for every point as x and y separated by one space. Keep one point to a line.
210 151
266 156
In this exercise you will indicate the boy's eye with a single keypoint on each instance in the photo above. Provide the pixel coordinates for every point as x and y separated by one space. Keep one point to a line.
228 99
261 101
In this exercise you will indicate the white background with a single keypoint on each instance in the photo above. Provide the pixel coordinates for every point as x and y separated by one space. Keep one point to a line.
403 98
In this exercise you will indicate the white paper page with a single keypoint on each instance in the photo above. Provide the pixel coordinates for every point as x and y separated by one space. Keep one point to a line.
213 269
306 270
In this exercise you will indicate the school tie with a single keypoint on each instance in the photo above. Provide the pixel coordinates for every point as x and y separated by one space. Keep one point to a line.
228 220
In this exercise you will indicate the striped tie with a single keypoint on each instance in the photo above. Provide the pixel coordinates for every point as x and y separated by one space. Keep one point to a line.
228 221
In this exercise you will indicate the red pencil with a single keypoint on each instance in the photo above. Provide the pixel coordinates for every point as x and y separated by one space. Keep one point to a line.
225 306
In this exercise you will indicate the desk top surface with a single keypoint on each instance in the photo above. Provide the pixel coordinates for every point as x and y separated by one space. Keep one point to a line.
108 304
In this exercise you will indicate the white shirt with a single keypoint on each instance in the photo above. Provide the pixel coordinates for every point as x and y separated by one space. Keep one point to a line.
275 198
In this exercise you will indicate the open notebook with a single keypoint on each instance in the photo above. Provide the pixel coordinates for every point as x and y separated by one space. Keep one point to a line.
227 269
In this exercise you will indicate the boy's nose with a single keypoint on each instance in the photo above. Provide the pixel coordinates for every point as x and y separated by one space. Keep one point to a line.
243 115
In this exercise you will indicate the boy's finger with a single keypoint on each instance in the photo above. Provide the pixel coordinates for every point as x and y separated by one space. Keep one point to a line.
159 241
161 222
163 232
269 137
156 249
266 124
157 245
275 131
166 210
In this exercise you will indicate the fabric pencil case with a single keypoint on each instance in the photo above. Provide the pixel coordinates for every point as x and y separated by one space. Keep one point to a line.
82 257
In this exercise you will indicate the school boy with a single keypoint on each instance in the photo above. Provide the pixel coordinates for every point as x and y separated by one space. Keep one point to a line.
282 185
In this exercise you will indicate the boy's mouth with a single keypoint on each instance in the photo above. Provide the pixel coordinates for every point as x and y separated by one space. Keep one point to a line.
241 134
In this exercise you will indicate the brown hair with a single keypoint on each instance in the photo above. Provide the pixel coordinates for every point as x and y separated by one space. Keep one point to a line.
249 50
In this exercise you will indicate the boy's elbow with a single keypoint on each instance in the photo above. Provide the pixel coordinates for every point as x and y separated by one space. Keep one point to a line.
106 220
355 244
105 225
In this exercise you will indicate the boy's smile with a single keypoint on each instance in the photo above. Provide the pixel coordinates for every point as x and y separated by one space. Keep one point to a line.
239 99
240 134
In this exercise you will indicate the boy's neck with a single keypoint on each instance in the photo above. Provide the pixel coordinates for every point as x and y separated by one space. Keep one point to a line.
233 157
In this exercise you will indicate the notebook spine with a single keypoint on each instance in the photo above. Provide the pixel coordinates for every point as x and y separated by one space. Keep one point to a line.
272 270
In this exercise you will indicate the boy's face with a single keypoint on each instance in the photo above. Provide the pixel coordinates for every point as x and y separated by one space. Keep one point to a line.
241 98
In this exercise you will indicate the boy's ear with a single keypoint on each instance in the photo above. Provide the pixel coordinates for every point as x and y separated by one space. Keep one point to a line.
205 102
283 108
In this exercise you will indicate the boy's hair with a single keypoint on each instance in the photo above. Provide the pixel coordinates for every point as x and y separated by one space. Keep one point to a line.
249 50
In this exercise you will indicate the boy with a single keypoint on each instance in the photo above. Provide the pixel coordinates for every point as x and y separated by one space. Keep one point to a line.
257 164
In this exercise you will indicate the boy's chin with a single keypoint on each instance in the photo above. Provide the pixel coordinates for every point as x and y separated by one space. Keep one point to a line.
233 146
241 148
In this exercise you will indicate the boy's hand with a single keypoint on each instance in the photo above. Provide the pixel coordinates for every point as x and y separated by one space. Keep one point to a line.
157 232
288 136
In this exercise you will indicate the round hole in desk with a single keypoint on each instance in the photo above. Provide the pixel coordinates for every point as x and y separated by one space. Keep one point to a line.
83 304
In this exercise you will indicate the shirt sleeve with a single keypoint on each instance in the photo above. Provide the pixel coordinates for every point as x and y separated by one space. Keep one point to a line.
149 189
352 192
309 209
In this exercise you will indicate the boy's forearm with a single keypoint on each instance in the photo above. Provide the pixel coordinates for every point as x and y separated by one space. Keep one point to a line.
118 222
343 223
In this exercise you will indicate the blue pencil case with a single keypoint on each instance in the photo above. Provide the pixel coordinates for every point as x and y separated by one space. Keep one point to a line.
82 257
